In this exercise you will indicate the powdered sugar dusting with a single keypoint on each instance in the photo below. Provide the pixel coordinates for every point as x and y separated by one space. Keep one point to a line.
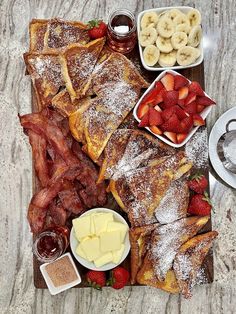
196 149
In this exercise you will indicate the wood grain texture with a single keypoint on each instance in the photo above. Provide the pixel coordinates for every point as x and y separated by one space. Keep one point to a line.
17 292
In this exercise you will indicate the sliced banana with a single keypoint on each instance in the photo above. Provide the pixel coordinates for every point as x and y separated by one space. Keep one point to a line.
197 52
179 40
195 36
186 55
149 19
181 20
164 44
167 59
147 36
151 55
183 28
165 27
173 13
194 17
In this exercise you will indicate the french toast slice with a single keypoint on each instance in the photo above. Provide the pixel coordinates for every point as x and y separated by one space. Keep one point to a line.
139 241
37 30
189 259
167 239
77 62
63 103
59 34
45 72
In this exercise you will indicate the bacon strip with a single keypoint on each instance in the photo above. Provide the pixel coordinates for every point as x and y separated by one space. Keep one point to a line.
57 213
39 150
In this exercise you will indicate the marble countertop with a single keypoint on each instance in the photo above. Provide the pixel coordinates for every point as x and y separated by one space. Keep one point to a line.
17 292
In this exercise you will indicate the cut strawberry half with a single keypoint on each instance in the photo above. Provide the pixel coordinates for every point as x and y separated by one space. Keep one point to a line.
159 97
200 108
183 92
171 136
172 125
205 101
180 81
168 81
191 108
159 86
181 102
186 124
190 98
167 113
145 120
155 130
181 114
154 117
170 98
198 120
181 137
195 87
142 110
157 108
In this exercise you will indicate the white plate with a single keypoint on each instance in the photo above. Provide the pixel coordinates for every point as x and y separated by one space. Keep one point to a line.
90 265
185 10
203 114
55 290
217 131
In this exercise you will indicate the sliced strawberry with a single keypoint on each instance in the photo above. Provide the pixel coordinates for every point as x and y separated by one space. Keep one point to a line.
190 98
180 81
181 137
198 120
196 88
171 136
157 108
155 130
159 97
159 86
172 125
200 108
168 81
142 110
154 117
183 92
181 114
186 124
145 120
191 108
205 101
170 98
167 113
181 102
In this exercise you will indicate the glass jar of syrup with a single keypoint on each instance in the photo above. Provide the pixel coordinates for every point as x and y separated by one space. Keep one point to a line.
121 31
51 243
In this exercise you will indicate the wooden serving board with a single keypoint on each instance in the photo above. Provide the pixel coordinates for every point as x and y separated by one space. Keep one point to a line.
196 74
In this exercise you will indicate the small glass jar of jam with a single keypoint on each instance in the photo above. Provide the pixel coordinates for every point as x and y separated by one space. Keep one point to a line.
121 31
51 243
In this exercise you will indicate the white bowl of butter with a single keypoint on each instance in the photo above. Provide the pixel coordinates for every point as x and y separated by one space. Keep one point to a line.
99 239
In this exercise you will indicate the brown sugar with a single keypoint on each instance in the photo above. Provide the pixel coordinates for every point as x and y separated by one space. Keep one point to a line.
61 272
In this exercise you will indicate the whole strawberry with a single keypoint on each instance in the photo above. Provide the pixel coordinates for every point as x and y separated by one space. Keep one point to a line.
200 205
97 29
119 277
96 279
198 183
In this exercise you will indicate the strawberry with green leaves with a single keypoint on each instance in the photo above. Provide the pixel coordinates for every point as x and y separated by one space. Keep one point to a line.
200 205
96 279
119 277
97 29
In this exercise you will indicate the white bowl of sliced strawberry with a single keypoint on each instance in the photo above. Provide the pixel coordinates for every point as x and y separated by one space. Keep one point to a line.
173 108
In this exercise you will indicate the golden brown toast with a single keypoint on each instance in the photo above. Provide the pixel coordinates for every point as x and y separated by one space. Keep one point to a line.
45 72
136 148
189 259
174 204
139 241
60 33
77 63
167 239
37 30
63 103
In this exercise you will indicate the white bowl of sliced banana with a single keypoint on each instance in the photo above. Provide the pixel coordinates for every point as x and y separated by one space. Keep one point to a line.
170 38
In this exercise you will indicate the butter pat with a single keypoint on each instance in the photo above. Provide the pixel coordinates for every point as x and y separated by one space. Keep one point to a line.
114 225
104 259
118 254
80 252
110 241
91 248
101 221
82 227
